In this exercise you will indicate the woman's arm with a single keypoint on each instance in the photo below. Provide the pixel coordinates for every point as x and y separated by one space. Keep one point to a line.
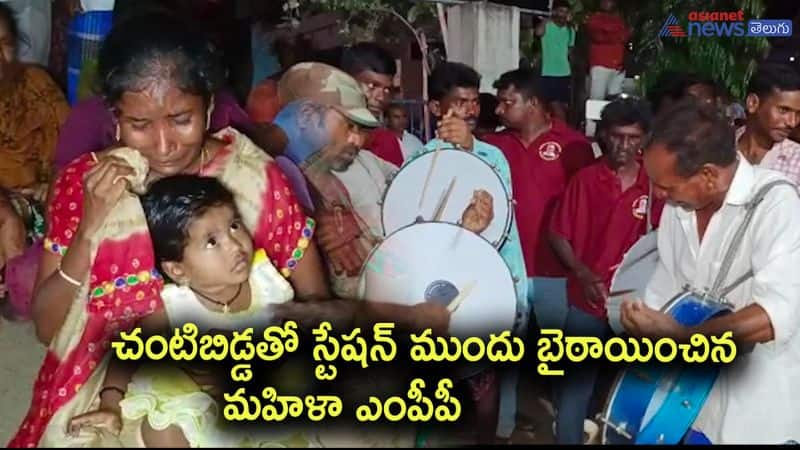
55 289
309 279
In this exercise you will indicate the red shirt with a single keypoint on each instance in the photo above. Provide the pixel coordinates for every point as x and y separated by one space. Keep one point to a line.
608 35
601 223
539 175
384 143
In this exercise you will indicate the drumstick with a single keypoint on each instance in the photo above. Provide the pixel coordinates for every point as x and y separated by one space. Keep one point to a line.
437 214
456 302
622 292
433 164
94 157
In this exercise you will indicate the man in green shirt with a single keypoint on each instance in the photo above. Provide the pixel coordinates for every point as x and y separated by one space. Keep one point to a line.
558 39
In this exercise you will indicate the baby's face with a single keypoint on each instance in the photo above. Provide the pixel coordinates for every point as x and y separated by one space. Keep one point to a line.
219 251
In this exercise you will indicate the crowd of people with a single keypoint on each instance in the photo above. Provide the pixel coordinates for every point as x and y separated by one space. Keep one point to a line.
163 201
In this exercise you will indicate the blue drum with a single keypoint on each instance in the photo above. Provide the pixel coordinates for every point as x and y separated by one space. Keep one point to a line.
656 403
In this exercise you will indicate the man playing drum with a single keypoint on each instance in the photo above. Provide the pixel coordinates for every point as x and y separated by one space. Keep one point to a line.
347 183
325 133
693 163
601 215
454 101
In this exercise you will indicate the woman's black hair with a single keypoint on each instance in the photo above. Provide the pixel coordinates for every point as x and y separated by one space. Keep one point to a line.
7 15
158 47
171 205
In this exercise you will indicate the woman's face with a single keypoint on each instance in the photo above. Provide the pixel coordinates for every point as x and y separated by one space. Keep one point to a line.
166 124
8 47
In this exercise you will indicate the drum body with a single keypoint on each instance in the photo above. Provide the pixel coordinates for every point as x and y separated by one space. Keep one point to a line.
423 187
656 403
631 277
444 263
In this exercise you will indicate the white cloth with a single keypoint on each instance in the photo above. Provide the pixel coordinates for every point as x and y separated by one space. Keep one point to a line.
605 82
484 36
97 5
34 18
755 399
410 145
366 180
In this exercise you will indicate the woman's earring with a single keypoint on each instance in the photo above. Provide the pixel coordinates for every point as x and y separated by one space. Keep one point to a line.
117 133
208 113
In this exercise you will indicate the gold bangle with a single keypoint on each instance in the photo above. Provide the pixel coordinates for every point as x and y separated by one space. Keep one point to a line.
68 278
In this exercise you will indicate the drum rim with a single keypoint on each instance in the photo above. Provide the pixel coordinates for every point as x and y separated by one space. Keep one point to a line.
689 291
509 220
606 411
618 379
616 271
372 252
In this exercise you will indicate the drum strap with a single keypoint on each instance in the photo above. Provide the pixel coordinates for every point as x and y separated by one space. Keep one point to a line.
717 291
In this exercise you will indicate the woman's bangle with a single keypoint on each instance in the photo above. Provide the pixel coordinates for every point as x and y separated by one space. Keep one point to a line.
111 388
68 278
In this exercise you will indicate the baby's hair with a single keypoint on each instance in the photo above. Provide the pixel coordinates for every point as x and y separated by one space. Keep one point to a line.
170 206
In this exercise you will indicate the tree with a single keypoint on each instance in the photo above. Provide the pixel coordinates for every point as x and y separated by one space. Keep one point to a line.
730 61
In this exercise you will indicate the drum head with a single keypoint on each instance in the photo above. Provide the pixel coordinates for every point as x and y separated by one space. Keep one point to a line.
631 278
444 263
466 172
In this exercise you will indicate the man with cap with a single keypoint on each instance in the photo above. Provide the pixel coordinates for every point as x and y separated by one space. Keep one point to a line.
325 130
326 122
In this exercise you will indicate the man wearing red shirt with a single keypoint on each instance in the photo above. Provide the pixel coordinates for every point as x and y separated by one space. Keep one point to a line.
608 35
603 212
543 156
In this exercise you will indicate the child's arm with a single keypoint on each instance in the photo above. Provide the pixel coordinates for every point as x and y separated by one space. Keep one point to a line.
115 384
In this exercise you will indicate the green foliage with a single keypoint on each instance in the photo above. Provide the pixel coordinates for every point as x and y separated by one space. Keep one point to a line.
731 61
362 19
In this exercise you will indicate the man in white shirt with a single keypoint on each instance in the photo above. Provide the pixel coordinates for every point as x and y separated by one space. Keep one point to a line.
692 161
773 112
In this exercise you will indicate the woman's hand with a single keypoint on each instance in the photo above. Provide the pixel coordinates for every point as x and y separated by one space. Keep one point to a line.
37 192
101 419
103 186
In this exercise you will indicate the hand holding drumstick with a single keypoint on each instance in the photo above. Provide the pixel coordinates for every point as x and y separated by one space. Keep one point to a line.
455 130
480 212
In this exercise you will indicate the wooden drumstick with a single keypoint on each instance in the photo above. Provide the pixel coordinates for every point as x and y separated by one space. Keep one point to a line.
437 214
453 306
433 164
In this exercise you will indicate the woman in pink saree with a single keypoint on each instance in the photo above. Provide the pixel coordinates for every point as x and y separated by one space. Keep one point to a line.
98 276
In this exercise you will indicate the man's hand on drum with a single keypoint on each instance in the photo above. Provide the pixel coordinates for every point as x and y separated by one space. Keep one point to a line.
451 128
640 320
480 212
593 286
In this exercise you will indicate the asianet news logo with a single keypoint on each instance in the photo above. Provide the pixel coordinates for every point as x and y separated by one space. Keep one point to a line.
727 24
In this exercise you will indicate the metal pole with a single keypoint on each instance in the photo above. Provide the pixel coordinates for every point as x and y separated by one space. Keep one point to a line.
419 35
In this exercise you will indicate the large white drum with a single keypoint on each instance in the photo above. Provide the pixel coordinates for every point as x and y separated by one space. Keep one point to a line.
444 181
441 262
631 278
